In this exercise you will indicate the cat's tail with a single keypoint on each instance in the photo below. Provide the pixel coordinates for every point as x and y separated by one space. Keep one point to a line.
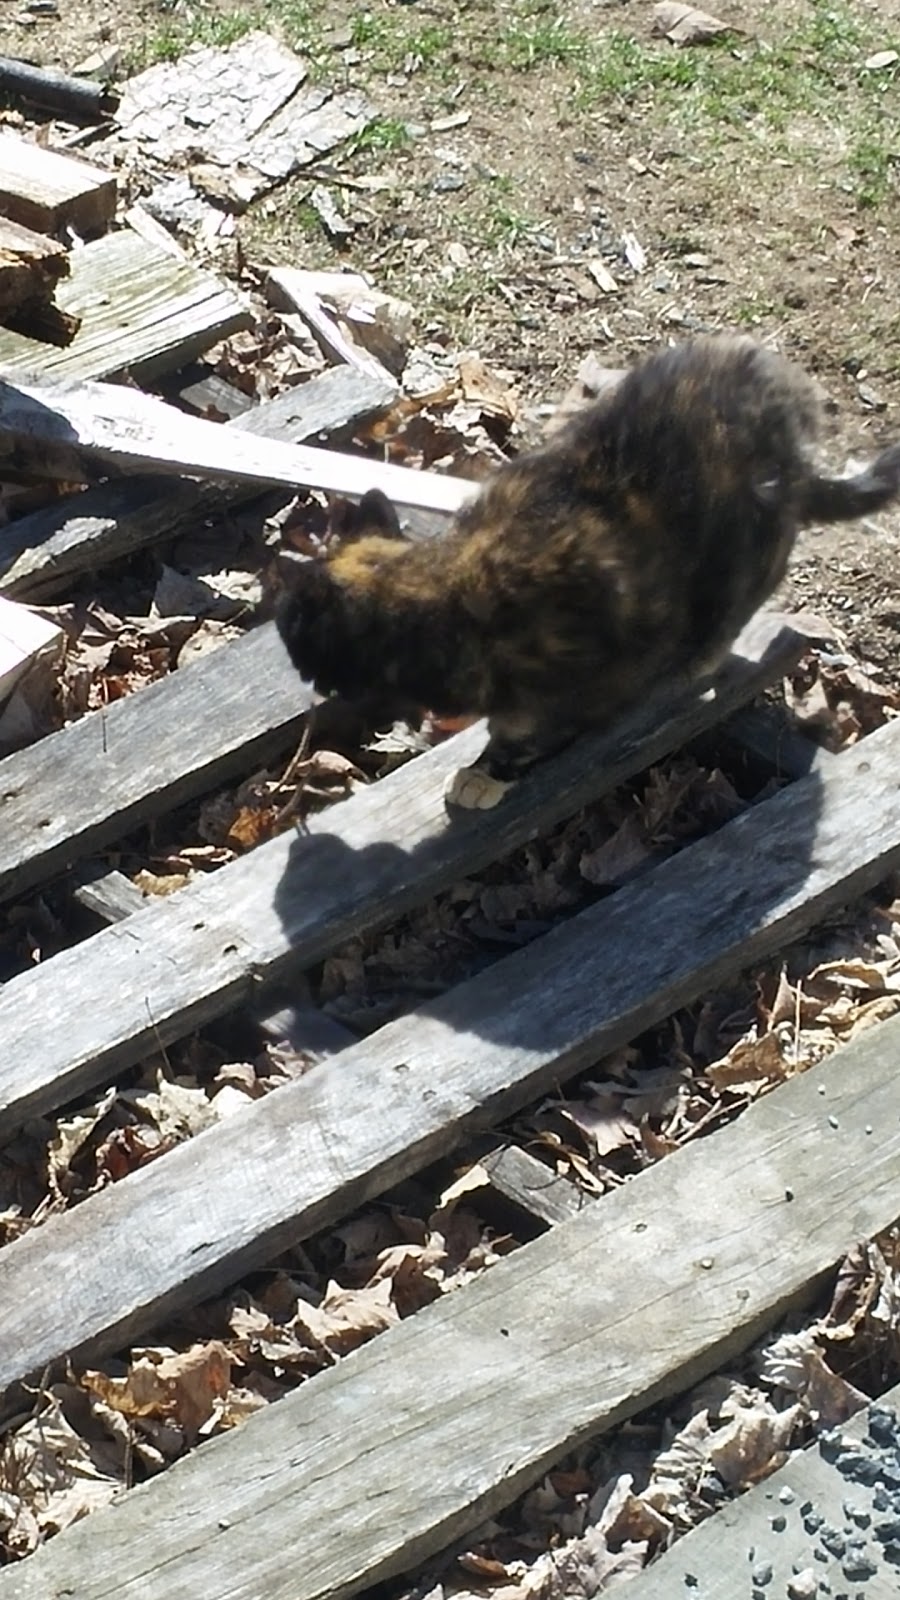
842 499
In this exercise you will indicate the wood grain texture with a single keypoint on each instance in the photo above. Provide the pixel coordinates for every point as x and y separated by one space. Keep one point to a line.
417 1438
712 1562
47 190
361 863
303 1157
142 311
108 894
31 265
41 552
531 1185
83 427
78 789
768 732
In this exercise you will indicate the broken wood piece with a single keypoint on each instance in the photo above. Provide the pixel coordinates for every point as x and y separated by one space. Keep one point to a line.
74 99
75 426
41 551
48 191
143 312
531 1186
206 394
31 266
107 893
287 291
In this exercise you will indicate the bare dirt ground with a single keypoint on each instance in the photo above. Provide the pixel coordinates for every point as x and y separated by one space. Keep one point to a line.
759 174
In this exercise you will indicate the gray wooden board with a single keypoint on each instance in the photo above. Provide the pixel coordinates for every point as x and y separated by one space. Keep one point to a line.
192 957
532 1186
40 552
717 1560
292 1163
78 789
411 1442
142 310
770 734
84 429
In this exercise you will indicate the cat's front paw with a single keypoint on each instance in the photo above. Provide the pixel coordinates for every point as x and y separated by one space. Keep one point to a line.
473 789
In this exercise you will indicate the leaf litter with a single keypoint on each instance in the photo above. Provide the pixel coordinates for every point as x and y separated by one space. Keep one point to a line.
592 1522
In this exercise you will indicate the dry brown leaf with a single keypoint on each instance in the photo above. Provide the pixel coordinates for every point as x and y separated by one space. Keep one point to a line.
584 1567
182 1387
783 1005
252 825
605 1123
177 1110
485 389
50 1476
686 25
753 1444
750 1061
72 1133
795 1362
625 854
347 1318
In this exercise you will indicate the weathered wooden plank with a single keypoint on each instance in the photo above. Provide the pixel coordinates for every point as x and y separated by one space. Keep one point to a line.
142 311
768 732
714 1562
530 1185
296 1161
79 425
91 782
420 1436
108 893
42 551
189 959
46 190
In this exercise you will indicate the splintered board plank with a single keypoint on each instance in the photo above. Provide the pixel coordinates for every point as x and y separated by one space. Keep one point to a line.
713 1562
79 789
190 958
40 552
420 1436
80 426
46 190
31 265
231 1199
142 310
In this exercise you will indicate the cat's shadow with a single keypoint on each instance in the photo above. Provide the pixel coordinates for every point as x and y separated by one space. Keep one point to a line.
583 989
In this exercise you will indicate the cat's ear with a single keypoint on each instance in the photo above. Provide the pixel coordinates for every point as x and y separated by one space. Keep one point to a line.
373 514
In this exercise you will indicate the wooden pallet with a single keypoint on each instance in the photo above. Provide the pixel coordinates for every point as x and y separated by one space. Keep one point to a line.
374 1464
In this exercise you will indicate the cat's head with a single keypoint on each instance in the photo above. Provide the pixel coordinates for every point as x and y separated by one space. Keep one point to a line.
332 617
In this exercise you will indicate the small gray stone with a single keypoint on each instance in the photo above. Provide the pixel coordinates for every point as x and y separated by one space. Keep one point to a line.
804 1586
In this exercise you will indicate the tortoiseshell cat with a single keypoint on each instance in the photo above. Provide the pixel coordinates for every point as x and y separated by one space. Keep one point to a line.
623 555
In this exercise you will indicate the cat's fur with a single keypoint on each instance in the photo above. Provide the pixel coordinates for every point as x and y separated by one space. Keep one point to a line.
625 554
